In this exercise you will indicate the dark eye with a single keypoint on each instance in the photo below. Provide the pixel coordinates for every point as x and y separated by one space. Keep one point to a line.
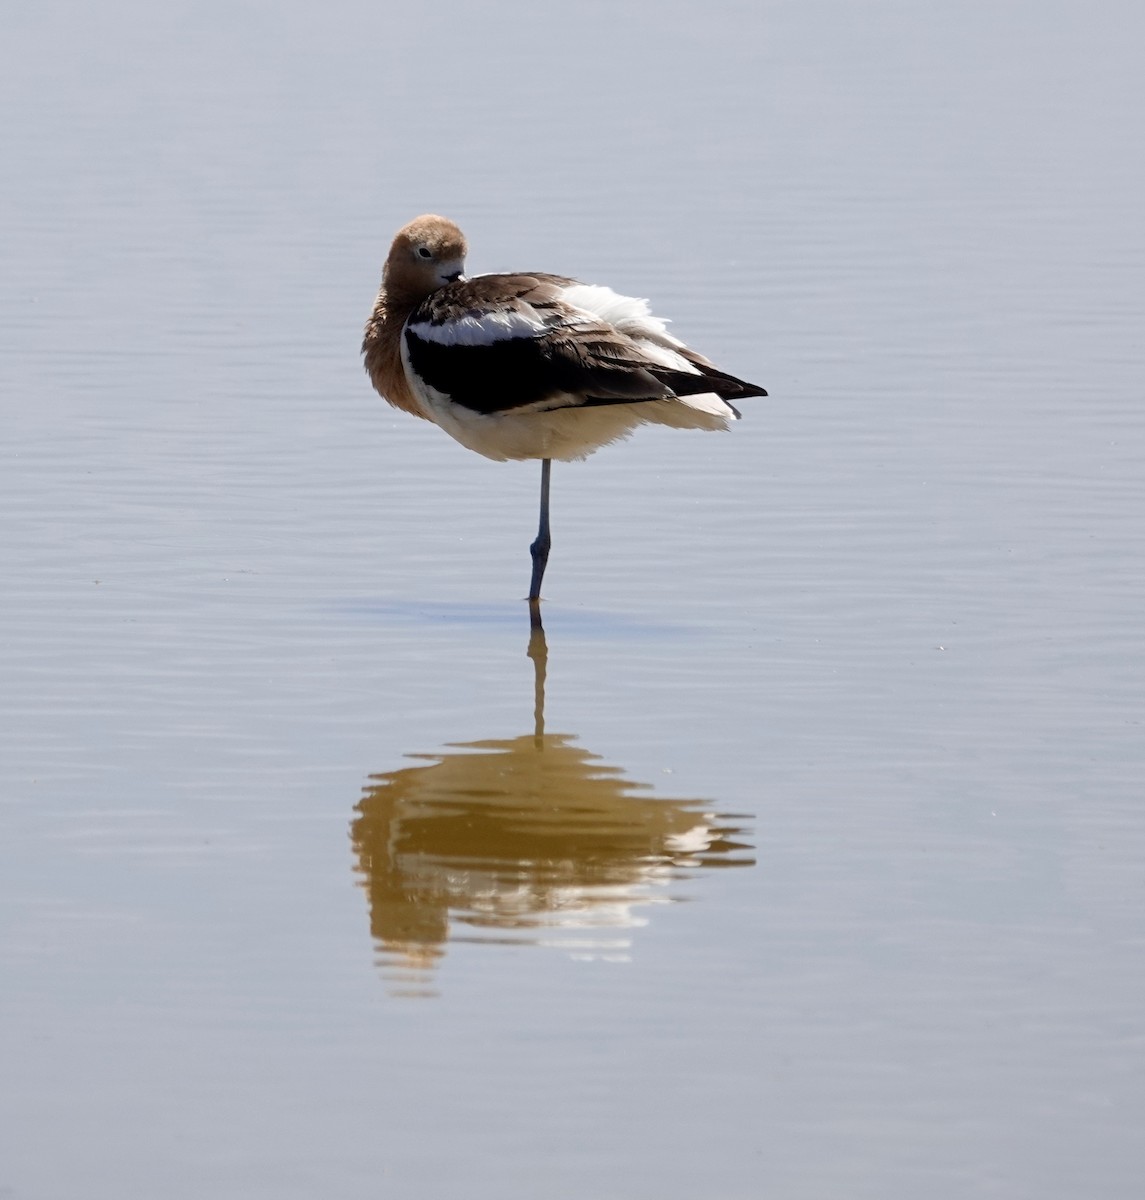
424 252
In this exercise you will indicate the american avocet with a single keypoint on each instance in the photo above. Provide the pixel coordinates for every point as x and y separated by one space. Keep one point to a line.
529 365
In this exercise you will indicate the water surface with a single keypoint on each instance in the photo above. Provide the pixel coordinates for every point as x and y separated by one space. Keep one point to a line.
298 895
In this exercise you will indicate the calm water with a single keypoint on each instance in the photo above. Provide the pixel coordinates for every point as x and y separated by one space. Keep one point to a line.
805 858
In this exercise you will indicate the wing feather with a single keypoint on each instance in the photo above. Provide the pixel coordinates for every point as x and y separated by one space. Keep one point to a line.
505 343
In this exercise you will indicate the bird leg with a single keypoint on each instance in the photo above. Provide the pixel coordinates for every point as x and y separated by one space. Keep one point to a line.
540 548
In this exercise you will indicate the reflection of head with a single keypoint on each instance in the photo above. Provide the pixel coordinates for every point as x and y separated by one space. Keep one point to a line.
521 834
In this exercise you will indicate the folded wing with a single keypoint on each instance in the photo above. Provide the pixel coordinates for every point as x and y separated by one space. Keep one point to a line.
538 343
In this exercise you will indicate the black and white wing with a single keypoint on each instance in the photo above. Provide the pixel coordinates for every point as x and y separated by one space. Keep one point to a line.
501 344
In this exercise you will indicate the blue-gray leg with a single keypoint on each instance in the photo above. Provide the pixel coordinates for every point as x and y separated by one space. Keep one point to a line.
540 548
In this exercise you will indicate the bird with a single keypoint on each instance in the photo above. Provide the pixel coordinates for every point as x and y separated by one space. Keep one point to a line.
529 365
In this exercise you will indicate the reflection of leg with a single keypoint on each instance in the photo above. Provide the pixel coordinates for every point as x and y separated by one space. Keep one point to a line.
540 548
539 653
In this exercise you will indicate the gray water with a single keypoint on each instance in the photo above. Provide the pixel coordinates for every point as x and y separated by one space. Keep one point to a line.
820 870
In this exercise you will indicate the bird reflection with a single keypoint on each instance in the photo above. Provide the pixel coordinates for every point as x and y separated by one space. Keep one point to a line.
530 839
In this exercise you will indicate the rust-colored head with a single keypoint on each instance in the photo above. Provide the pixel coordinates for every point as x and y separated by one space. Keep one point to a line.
427 253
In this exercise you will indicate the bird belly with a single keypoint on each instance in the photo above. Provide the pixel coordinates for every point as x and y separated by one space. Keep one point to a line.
564 433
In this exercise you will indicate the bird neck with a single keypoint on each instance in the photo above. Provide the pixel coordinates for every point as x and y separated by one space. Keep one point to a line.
382 348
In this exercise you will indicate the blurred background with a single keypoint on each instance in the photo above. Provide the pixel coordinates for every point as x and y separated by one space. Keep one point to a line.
804 857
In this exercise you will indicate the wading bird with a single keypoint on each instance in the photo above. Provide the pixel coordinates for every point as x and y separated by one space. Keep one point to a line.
529 365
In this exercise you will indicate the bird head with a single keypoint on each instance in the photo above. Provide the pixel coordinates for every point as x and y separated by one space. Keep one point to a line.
426 254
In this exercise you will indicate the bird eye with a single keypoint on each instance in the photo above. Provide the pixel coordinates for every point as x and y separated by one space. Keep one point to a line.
424 252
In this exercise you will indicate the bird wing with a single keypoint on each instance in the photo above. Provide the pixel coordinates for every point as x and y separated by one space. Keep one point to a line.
511 343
